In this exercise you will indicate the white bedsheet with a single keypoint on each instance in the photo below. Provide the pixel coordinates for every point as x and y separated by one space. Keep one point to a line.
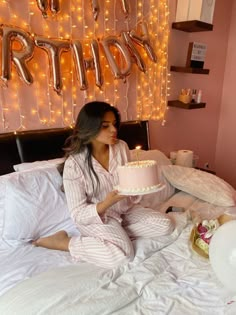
166 277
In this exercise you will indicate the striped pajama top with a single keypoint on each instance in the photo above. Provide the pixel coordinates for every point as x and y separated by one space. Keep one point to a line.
77 180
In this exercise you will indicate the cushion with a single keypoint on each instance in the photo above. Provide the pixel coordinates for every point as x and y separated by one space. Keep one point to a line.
29 165
32 205
200 184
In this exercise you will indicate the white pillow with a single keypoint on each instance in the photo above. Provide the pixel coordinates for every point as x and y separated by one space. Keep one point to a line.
155 199
32 205
200 184
30 165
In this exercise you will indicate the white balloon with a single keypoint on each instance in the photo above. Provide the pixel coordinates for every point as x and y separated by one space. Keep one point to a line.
222 254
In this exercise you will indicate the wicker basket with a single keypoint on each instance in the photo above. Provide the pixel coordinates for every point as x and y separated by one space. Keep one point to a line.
193 238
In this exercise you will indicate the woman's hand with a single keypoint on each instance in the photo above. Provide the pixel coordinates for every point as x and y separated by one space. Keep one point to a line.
111 198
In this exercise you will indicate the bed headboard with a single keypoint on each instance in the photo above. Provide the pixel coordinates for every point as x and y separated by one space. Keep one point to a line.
45 144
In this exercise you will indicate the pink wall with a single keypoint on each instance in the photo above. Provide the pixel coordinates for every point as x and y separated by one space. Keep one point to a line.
198 129
226 149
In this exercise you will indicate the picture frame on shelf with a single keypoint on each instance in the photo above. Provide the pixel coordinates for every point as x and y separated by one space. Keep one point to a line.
196 55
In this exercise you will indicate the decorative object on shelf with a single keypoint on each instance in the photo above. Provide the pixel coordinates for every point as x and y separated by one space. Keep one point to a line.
188 10
182 10
195 60
194 94
185 96
199 96
196 55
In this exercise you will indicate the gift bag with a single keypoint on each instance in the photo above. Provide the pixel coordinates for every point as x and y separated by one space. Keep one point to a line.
201 10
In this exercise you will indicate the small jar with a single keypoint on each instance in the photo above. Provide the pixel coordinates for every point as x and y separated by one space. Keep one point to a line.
185 98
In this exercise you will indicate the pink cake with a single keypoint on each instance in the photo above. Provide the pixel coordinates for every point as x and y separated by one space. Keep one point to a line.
138 176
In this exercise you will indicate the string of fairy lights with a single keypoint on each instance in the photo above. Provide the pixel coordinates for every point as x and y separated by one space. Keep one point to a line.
140 95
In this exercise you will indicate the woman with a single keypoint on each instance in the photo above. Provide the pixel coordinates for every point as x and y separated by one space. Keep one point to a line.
106 220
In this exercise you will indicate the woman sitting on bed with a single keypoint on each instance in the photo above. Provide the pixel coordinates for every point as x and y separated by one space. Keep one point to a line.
107 221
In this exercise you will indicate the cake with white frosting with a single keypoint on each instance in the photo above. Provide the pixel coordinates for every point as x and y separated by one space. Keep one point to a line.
138 177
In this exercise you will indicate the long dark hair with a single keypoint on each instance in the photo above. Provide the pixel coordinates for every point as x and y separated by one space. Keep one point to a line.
87 126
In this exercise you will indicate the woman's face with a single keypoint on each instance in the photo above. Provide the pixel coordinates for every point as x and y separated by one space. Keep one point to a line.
108 131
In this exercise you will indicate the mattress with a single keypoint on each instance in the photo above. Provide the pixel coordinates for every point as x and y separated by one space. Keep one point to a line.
165 277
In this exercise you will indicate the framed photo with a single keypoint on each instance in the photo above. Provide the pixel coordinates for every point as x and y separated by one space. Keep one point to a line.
196 55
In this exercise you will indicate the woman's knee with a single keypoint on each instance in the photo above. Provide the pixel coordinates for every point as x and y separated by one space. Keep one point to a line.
169 225
163 224
117 255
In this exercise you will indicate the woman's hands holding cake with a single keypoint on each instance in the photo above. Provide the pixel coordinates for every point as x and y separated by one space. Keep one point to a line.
111 198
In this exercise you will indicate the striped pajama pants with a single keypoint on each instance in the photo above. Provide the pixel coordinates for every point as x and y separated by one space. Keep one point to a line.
109 244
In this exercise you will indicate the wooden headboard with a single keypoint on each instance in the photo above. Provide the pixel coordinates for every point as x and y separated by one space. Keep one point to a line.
45 144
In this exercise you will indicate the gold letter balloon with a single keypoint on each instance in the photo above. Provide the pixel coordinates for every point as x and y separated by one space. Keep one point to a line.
82 65
54 49
96 9
43 6
19 56
120 52
115 66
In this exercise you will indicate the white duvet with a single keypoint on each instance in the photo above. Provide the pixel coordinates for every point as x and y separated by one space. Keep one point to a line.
166 277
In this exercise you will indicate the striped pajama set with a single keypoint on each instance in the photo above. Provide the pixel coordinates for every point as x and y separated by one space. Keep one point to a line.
105 240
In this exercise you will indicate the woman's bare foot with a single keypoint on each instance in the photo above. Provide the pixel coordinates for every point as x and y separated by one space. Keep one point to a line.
58 241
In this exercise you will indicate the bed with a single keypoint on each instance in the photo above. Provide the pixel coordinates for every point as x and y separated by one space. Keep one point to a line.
166 275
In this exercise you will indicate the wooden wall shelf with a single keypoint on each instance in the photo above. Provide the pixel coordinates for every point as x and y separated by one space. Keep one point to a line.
192 26
179 104
189 70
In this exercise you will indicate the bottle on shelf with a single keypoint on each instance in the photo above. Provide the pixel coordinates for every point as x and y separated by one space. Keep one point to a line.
199 96
194 95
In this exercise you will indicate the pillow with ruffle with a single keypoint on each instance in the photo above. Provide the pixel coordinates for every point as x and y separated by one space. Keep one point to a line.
200 184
